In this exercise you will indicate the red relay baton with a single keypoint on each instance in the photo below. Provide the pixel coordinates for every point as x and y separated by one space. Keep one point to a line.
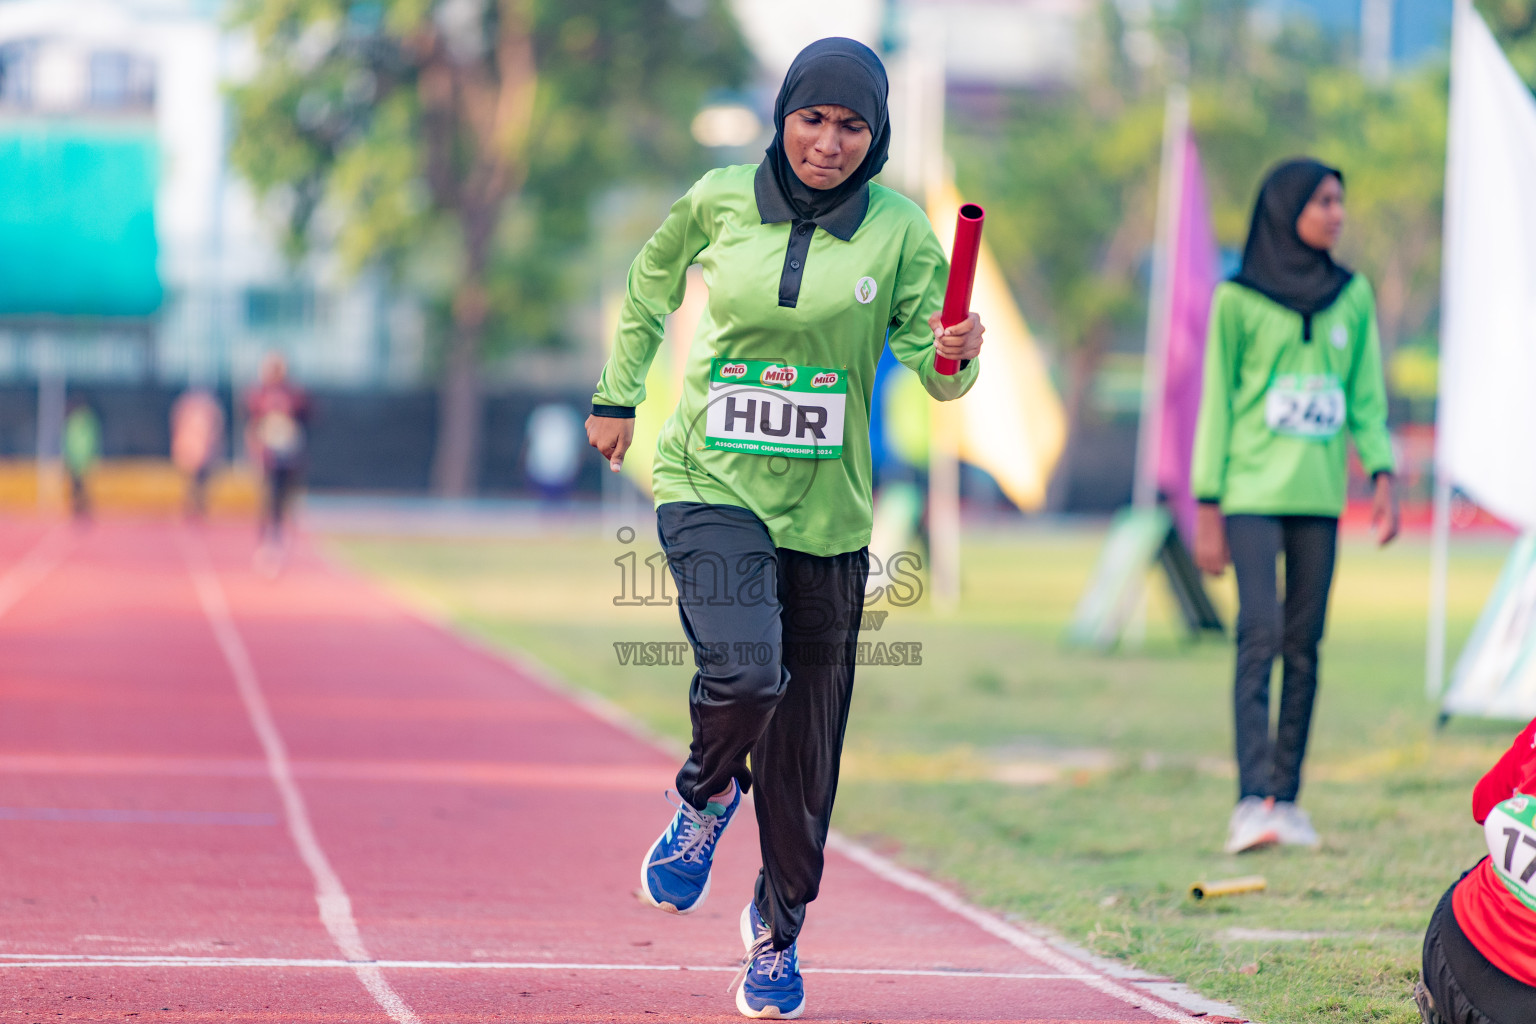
962 274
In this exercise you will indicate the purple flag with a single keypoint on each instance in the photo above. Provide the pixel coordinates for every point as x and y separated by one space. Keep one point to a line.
1194 272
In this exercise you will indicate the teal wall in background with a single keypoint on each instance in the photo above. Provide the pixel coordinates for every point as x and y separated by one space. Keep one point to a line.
77 221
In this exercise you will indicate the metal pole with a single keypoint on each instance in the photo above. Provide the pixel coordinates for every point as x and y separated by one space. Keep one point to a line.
929 82
49 362
944 508
1164 249
1439 567
1440 536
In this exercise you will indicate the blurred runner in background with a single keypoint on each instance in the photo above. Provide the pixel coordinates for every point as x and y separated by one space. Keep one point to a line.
197 443
277 416
1480 948
81 450
555 443
1292 360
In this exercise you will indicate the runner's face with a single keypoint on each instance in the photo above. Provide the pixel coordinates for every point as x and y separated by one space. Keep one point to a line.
825 144
273 370
1322 219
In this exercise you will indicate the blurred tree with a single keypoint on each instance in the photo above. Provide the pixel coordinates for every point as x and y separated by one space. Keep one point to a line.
1071 176
1070 185
1514 24
459 143
1390 142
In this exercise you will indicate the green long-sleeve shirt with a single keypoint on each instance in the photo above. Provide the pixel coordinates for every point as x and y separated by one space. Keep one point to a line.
784 459
1274 407
82 441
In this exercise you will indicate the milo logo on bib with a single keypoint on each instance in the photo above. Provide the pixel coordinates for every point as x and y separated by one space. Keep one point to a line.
1510 831
764 408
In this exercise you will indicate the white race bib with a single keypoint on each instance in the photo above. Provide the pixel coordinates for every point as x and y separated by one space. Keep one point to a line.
279 433
765 408
1511 837
1305 405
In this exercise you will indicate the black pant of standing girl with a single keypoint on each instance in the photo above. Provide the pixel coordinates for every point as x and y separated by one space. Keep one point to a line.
1270 766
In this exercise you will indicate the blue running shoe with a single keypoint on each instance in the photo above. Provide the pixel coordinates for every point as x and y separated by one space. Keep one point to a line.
675 873
771 987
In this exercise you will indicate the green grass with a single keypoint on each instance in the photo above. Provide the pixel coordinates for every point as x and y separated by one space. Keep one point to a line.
1082 792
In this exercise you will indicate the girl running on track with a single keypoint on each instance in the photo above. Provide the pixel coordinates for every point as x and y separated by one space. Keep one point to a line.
1480 948
277 418
762 473
1292 361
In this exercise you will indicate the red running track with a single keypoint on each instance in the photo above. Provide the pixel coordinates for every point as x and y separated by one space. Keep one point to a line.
227 797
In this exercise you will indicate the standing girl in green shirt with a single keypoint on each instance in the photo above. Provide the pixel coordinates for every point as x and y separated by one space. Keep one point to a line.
762 474
1292 360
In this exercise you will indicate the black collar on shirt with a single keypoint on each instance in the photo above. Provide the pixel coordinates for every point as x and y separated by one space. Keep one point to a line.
774 207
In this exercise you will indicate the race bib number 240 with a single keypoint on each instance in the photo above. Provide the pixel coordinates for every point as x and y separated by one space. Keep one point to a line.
1305 405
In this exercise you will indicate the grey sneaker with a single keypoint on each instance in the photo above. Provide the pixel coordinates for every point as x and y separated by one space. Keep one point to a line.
1252 825
1294 826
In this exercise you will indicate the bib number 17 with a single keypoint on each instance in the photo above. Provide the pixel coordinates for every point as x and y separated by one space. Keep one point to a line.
1510 831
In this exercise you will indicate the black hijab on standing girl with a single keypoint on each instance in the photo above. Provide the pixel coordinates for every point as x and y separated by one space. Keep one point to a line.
1276 262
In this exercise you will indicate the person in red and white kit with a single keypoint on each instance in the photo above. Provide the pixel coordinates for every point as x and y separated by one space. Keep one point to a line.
1480 948
277 423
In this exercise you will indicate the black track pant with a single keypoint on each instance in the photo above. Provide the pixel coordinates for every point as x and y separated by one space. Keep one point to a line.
1467 989
1265 628
281 481
774 634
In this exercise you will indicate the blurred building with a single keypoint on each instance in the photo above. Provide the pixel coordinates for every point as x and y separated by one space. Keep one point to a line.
992 43
1389 33
128 252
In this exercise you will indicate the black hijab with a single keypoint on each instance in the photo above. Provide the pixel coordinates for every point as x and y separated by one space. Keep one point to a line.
836 71
1276 262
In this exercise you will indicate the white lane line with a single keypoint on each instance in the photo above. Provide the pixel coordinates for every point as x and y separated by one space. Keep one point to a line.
116 816
41 559
107 960
334 903
996 926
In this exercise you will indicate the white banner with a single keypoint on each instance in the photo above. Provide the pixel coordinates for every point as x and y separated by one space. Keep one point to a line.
1487 414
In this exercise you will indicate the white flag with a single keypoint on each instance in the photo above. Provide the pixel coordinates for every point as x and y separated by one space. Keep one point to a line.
1487 414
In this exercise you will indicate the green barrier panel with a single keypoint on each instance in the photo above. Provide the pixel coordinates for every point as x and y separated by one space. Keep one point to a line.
1138 538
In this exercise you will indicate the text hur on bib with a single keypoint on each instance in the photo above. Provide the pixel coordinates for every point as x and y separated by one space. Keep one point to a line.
767 408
